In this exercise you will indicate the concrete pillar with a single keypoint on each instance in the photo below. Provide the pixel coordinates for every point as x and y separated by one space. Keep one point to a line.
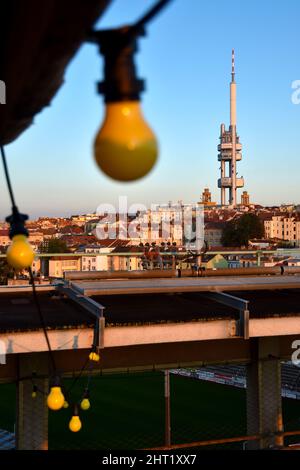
32 413
223 194
264 409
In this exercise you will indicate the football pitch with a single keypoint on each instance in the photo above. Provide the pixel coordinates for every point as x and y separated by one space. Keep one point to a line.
127 412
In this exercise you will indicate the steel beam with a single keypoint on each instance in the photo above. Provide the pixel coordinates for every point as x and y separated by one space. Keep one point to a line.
74 293
237 303
95 308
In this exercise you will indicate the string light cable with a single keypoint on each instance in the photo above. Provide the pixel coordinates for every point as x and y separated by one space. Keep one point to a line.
124 124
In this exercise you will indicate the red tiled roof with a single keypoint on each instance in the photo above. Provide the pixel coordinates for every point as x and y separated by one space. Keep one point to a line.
214 225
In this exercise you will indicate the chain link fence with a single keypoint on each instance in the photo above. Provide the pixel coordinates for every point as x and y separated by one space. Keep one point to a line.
128 411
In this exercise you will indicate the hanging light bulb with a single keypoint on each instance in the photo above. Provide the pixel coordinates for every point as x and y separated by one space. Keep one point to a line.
20 254
34 391
66 404
55 399
94 356
85 402
75 423
125 146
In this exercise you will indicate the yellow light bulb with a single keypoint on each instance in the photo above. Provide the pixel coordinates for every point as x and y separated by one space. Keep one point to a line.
55 399
75 424
85 404
20 254
66 404
93 356
34 391
125 147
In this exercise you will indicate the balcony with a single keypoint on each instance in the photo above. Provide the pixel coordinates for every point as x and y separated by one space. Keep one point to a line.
226 182
228 146
225 146
228 155
240 182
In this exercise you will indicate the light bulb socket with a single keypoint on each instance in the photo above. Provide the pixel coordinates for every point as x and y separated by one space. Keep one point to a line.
75 410
86 394
17 223
55 381
118 47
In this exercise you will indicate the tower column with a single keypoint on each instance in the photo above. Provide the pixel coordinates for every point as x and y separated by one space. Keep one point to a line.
232 198
223 201
233 168
229 151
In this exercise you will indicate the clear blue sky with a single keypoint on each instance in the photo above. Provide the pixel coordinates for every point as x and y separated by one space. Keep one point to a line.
186 60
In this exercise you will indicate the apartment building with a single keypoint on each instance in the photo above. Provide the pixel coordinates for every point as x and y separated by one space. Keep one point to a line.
283 228
60 264
97 258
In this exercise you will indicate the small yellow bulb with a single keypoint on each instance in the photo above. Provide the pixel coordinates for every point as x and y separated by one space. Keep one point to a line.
55 399
125 146
66 404
93 356
85 404
20 254
33 394
75 424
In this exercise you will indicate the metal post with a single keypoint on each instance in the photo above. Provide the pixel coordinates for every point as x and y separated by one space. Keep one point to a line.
167 409
258 258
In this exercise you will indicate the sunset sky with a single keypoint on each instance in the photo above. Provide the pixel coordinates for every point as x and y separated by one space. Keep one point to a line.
186 61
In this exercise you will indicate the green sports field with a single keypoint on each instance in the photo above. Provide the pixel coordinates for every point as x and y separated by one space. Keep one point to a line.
128 412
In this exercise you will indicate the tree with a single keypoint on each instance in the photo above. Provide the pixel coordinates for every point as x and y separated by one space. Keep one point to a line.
5 272
238 232
54 245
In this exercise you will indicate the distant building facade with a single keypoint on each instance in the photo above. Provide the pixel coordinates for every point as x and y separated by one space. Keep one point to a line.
283 228
245 199
61 264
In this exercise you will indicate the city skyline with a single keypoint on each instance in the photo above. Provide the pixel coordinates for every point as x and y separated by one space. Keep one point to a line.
52 166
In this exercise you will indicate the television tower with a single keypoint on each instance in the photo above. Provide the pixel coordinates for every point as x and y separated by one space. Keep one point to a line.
230 150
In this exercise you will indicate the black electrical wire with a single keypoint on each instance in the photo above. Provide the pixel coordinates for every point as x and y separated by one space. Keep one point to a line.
10 190
150 14
35 297
41 317
13 202
75 380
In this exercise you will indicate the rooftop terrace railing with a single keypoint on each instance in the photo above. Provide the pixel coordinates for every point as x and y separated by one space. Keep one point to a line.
280 252
238 262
